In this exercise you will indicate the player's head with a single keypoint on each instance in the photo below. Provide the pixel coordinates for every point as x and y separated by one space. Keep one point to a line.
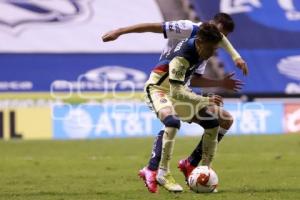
224 23
207 40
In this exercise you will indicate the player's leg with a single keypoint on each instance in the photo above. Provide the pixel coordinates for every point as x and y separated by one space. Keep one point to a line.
153 98
163 145
198 113
154 161
210 123
172 124
149 173
225 120
209 140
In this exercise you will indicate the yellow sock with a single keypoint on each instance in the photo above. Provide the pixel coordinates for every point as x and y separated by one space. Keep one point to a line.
167 148
210 141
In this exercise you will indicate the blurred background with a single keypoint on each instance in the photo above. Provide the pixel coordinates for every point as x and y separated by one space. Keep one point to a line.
58 79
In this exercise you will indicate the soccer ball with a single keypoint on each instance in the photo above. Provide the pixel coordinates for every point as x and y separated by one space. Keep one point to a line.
203 180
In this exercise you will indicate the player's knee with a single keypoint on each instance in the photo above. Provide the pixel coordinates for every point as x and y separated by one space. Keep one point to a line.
225 120
164 112
208 120
172 121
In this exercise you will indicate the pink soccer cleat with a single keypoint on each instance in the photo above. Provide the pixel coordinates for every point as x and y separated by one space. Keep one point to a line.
149 178
186 168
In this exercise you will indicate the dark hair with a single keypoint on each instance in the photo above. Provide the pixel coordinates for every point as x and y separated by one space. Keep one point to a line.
209 33
226 21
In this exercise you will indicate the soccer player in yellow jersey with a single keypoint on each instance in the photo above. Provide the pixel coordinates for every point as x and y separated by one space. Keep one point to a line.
173 101
158 92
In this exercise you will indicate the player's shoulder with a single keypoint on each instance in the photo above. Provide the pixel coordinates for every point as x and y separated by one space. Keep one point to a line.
198 23
186 48
180 29
196 27
183 24
189 43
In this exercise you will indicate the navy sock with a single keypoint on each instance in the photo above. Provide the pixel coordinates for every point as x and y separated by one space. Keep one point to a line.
196 155
220 137
156 152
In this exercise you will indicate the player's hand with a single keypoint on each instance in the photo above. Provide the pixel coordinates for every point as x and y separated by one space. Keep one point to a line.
232 84
242 65
110 36
216 100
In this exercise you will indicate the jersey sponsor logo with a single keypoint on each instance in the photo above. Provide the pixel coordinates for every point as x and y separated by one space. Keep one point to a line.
177 28
16 15
171 27
279 14
178 74
163 100
174 26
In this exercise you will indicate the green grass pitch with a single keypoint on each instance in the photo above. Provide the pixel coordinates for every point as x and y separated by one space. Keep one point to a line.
249 167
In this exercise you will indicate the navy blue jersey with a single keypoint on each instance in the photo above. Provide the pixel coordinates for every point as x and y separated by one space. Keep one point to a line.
186 49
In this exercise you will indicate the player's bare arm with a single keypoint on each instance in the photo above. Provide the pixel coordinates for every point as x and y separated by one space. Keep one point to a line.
228 82
138 28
